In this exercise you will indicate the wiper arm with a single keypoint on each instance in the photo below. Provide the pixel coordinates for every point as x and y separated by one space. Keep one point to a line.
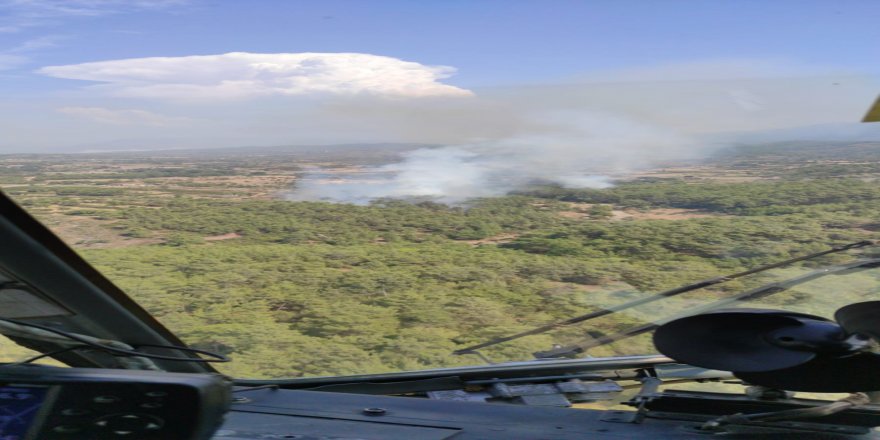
658 296
760 292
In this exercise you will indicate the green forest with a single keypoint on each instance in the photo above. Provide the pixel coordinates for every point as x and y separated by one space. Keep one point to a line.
290 289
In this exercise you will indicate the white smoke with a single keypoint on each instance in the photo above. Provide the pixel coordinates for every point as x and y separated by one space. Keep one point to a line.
576 150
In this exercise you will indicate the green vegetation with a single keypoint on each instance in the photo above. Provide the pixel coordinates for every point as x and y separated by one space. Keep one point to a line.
749 199
308 288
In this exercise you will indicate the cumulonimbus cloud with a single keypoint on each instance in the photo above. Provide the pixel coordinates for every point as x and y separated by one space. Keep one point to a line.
245 75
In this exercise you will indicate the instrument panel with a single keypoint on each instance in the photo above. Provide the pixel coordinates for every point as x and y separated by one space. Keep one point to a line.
44 403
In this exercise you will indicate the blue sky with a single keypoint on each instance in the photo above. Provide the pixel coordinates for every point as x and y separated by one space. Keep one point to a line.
494 47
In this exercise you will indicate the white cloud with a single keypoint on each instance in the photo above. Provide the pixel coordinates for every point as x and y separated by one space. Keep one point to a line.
246 75
86 7
34 44
14 57
721 107
123 116
18 15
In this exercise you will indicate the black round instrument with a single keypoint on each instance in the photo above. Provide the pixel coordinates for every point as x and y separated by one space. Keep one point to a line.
780 349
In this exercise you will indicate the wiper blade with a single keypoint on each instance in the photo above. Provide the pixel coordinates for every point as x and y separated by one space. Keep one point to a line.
757 293
658 296
477 372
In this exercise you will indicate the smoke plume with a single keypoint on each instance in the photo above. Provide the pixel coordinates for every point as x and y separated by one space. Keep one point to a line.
572 149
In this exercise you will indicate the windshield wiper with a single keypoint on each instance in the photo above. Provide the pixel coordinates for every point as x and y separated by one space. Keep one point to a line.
656 297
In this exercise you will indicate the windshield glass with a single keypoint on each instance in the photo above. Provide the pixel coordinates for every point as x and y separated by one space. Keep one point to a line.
341 187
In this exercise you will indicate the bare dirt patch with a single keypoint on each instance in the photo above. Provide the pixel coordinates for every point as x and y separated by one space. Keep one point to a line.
660 214
576 210
221 237
90 233
580 211
572 214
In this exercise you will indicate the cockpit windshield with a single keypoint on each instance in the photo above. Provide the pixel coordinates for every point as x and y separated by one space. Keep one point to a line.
321 188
